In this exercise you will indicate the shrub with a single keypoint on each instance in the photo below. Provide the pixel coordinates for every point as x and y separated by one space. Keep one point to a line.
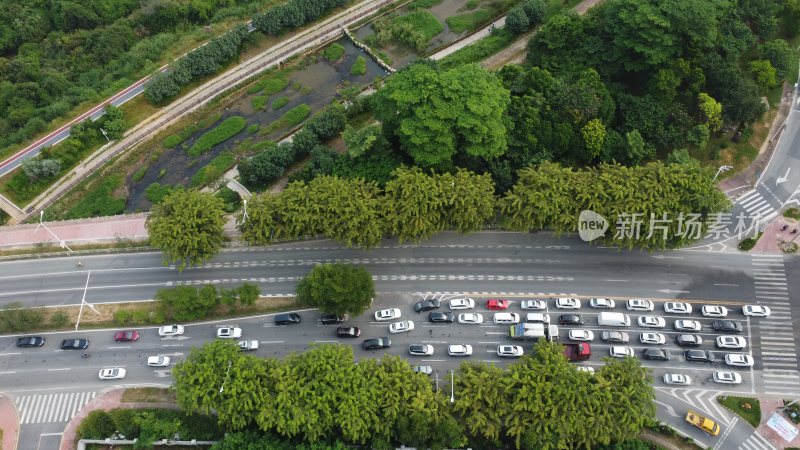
289 119
139 174
157 191
230 199
259 101
334 52
98 424
100 201
173 140
359 67
251 129
221 133
280 102
123 317
17 318
214 169
59 319
472 4
792 213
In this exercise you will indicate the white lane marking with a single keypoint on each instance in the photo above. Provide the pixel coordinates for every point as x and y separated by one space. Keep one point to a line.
9 372
80 289
277 342
61 369
10 354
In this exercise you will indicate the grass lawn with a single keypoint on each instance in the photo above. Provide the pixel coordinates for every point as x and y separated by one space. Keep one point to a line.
423 22
221 133
792 213
739 405
259 101
468 22
289 119
480 50
148 395
213 170
333 52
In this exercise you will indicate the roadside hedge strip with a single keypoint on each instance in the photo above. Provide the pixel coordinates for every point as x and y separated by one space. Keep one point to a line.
224 131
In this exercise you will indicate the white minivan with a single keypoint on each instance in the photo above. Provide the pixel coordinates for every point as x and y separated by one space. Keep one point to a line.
613 319
506 318
537 318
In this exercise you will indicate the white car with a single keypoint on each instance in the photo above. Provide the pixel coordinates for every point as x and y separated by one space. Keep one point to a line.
249 345
652 338
587 369
511 351
112 373
402 327
687 325
651 322
714 311
533 304
420 350
581 335
735 342
602 303
619 351
677 379
170 330
158 361
739 360
387 314
470 318
427 370
462 303
229 332
727 377
677 308
459 350
756 311
568 303
639 304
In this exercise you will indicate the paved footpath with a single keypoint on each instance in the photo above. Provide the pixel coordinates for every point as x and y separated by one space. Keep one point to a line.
106 401
9 423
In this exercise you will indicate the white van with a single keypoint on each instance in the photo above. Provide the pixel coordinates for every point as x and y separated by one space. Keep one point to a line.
613 319
537 318
506 318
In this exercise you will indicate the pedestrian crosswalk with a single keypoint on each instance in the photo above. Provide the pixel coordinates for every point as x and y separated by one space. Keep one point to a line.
756 442
757 206
778 348
51 408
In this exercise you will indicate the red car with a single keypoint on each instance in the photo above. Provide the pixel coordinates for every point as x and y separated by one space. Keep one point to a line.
497 305
126 336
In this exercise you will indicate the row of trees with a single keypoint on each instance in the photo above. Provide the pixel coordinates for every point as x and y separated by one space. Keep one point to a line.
525 16
201 62
540 402
293 14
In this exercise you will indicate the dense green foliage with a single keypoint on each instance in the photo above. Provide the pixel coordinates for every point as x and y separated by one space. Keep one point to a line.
214 170
280 102
337 289
147 425
59 54
187 227
293 14
188 303
250 440
480 50
356 213
221 133
156 192
322 395
100 201
333 52
441 115
660 198
359 66
525 16
414 30
14 317
290 118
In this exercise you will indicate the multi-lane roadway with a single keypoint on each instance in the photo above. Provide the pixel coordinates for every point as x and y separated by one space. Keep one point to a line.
48 384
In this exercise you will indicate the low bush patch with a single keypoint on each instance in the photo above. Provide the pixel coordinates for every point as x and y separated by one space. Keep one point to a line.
334 52
100 201
468 22
359 66
213 170
291 118
280 102
221 133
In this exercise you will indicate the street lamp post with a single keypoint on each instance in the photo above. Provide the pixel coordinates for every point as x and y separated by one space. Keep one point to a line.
720 170
452 387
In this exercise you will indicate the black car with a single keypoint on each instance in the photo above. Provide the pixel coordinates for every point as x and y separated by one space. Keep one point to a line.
617 337
333 319
376 343
427 305
699 356
570 319
726 326
437 316
657 354
287 319
688 340
348 332
74 344
30 341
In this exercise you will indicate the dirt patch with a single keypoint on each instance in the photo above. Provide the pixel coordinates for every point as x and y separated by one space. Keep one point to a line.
148 395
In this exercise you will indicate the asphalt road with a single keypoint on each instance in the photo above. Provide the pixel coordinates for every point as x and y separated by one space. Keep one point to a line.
49 384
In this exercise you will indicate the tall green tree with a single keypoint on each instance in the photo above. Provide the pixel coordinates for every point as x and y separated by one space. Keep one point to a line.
437 114
337 289
187 226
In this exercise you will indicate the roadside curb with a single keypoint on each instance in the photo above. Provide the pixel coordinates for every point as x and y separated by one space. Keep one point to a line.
10 437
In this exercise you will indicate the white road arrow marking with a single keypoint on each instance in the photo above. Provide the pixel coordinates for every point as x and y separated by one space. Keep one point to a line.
783 178
669 409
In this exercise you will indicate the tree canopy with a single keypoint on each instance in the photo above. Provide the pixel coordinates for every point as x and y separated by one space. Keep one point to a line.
187 227
337 289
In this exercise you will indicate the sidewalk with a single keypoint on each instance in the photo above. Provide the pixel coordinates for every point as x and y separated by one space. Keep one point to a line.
770 241
9 423
769 406
105 401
